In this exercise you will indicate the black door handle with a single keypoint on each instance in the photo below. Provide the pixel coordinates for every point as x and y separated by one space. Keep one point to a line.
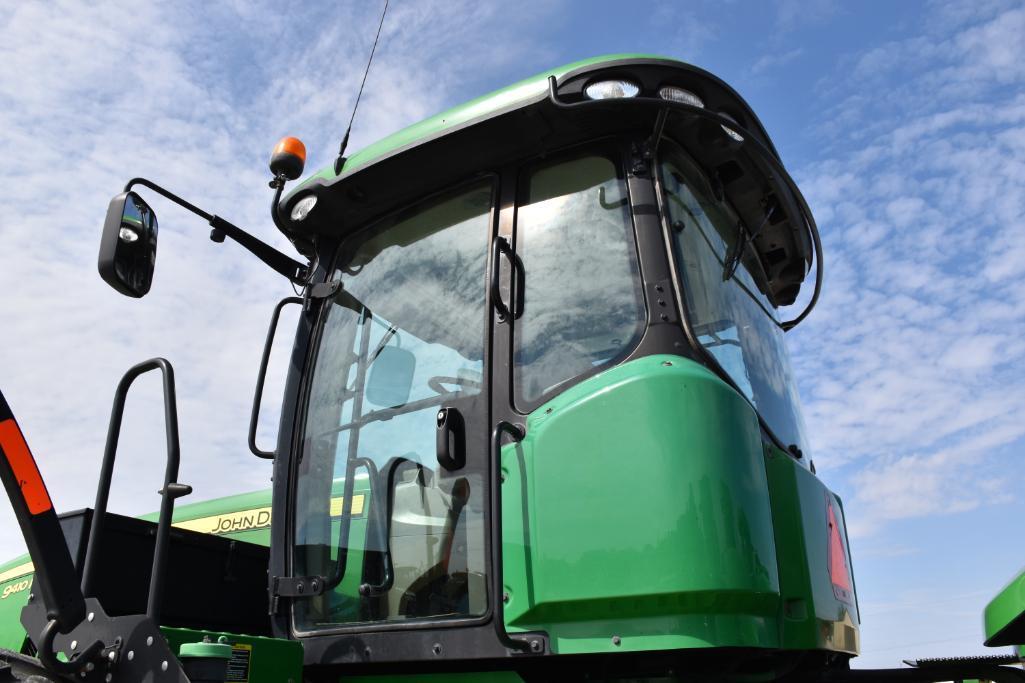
451 443
519 279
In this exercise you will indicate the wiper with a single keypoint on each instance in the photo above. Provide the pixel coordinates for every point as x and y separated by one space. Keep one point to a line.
744 239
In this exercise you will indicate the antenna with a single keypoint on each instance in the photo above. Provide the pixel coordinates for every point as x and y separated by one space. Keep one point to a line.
340 161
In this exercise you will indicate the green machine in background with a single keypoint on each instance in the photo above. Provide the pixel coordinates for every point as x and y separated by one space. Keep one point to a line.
539 421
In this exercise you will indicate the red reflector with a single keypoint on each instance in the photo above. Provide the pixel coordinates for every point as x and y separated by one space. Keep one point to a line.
839 571
33 490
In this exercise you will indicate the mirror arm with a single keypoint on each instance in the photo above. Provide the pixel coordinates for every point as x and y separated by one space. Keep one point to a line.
284 265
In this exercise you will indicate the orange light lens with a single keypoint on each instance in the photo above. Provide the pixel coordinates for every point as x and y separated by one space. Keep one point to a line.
292 146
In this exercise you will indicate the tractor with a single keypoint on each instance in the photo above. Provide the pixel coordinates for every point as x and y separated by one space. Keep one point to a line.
539 421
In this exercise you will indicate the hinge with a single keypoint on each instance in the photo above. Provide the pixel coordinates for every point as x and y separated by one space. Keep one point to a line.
298 586
294 587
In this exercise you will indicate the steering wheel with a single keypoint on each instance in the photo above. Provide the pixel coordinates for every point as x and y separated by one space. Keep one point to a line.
438 382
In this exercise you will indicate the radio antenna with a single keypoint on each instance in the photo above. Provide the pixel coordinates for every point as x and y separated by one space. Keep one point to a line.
340 161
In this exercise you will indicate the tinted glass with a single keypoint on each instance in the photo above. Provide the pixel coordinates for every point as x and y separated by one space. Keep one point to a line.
731 318
583 306
404 337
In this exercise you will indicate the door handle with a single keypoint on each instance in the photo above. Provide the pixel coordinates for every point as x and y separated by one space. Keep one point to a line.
451 439
519 279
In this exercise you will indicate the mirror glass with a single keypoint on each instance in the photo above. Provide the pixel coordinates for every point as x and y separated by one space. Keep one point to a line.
391 377
128 249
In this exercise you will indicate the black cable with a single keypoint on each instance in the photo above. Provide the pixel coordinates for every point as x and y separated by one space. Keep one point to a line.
340 161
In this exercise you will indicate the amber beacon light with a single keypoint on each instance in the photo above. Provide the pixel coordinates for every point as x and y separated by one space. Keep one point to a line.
288 158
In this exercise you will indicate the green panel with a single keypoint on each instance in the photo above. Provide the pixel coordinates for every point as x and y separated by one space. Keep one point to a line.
638 507
1004 617
480 108
270 660
15 586
813 617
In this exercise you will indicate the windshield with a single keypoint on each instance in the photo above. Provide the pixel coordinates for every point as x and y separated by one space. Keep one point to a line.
399 537
729 314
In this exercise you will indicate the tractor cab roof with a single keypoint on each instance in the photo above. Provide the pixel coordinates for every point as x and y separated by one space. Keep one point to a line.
531 118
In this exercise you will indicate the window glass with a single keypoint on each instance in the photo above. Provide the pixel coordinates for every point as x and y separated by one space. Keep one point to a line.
402 338
732 318
583 307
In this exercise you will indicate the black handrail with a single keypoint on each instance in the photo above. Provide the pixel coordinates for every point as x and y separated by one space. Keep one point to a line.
497 578
254 416
171 490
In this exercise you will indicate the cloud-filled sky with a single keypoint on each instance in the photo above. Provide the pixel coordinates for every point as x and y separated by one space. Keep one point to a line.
904 123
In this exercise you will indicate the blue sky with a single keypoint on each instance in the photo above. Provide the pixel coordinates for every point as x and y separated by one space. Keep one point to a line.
903 122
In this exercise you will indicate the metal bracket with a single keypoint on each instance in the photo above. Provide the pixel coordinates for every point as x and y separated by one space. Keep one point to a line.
324 290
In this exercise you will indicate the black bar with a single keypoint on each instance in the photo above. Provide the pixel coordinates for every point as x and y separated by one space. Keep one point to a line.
170 491
261 377
280 263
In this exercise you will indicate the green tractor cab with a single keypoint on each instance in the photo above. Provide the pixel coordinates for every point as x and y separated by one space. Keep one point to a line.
539 421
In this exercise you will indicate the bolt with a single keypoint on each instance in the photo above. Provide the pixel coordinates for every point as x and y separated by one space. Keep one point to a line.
665 318
505 597
535 646
441 415
667 363
149 641
92 615
616 640
366 652
661 302
163 665
548 411
90 666
111 656
108 678
131 655
436 649
658 288
74 644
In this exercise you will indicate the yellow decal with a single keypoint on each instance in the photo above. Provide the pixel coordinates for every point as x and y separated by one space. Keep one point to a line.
15 572
18 587
357 505
248 520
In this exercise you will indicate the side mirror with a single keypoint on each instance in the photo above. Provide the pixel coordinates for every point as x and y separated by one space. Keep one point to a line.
128 247
391 377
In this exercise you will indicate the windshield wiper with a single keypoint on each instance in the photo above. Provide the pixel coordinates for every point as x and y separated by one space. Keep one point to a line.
744 239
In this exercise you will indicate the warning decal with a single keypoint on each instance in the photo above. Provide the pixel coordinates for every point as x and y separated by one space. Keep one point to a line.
238 665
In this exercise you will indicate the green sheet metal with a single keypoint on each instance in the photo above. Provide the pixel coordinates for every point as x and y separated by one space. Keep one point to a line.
253 659
812 617
482 107
663 539
1004 616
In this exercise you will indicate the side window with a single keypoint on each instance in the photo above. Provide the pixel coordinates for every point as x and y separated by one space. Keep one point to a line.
730 317
583 306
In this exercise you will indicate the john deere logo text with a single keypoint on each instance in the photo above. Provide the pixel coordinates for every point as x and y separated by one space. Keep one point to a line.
230 522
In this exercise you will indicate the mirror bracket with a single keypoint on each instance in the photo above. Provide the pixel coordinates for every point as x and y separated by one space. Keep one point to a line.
282 264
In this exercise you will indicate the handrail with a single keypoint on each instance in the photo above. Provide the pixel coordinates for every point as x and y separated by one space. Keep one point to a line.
171 490
254 416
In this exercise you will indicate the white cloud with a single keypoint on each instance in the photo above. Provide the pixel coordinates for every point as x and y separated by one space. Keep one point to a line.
923 376
192 96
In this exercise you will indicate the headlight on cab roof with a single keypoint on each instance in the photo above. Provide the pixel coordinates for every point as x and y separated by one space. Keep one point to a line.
676 94
303 207
611 89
